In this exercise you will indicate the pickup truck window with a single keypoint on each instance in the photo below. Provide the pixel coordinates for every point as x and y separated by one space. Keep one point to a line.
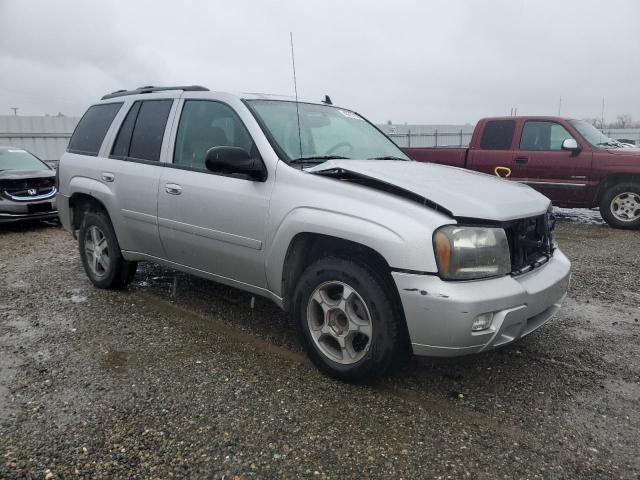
498 135
205 124
543 135
324 131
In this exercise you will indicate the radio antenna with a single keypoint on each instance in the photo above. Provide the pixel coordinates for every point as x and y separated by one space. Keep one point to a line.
295 87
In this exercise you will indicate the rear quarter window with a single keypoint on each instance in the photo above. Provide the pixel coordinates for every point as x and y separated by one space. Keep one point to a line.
498 135
92 128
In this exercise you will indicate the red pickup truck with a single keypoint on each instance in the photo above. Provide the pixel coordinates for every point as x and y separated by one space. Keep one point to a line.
569 161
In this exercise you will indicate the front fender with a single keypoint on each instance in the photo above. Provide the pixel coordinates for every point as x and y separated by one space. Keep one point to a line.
388 243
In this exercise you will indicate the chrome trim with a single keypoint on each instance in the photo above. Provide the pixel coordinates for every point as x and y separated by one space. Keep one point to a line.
556 184
45 196
27 215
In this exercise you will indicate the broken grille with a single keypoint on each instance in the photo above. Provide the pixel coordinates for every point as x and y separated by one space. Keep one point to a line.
530 242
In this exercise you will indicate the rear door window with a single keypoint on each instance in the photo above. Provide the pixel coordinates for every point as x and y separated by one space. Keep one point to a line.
146 140
123 140
141 132
92 128
498 135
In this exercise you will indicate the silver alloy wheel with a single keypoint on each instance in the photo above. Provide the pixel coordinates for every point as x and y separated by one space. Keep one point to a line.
625 207
96 251
339 322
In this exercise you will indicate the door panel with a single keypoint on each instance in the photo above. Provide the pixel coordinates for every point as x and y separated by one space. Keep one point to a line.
561 175
135 188
216 223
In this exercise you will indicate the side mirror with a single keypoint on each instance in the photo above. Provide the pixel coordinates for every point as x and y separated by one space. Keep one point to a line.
227 159
570 144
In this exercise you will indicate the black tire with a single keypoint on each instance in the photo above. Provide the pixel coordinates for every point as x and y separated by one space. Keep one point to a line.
609 197
119 272
387 339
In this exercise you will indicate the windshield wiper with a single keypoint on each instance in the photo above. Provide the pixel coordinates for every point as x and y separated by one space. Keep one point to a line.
610 144
389 157
318 158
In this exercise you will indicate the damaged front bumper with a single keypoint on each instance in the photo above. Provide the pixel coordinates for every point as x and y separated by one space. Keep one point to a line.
19 211
442 317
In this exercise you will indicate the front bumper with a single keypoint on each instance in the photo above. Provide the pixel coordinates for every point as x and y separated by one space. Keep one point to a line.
19 211
440 314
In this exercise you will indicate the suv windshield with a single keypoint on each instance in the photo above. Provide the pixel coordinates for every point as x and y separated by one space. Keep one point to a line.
594 136
17 159
325 132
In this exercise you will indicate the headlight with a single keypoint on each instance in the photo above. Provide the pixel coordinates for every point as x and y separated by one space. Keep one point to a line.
468 253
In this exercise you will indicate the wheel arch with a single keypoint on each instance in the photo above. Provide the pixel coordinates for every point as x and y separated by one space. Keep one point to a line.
614 179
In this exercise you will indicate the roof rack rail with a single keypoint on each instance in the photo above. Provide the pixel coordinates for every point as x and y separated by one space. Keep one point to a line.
151 88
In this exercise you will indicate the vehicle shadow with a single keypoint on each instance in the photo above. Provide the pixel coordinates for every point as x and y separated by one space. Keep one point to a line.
28 226
486 380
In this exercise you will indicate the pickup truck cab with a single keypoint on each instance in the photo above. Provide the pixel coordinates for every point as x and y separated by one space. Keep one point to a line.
311 206
569 161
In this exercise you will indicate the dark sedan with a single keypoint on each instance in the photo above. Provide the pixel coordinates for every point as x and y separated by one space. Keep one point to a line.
27 187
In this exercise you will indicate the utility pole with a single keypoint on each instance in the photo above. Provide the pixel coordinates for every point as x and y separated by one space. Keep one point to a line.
15 111
559 106
602 115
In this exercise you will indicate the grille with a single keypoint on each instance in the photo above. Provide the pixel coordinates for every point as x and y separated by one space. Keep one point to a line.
530 242
28 189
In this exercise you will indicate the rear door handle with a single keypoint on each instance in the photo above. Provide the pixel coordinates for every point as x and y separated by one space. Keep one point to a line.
522 159
108 177
173 189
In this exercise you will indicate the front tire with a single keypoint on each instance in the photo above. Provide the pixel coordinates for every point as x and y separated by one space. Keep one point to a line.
347 321
620 206
100 253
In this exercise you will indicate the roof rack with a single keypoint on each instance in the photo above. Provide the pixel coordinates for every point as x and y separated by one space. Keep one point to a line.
151 88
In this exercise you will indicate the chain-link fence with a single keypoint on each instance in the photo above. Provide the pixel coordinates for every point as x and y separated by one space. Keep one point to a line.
460 138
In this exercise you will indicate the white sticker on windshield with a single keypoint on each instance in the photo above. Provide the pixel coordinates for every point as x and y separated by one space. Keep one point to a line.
349 114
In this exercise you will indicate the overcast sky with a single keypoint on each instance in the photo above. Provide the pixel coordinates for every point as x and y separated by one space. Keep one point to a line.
430 62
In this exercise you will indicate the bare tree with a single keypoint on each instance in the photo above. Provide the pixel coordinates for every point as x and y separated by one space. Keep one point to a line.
623 121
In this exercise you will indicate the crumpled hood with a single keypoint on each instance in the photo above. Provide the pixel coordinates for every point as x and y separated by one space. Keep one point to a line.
463 192
24 174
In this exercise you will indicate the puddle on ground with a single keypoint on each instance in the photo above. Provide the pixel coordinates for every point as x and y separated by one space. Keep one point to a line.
116 361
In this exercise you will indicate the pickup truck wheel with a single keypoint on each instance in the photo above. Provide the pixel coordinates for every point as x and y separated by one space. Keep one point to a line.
346 320
100 253
620 206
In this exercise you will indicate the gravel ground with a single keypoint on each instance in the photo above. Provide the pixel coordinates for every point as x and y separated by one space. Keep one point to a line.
179 377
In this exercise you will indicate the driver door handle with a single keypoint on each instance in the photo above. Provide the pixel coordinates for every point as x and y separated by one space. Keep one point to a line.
173 189
522 159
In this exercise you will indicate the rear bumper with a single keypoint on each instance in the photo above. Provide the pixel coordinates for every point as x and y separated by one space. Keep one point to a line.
64 212
440 314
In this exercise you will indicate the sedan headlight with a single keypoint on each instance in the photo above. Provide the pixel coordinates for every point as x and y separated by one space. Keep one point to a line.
468 253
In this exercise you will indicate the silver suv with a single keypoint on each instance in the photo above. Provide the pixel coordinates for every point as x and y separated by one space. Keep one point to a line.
310 205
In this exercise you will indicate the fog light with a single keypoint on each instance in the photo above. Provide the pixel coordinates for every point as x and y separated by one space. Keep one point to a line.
482 322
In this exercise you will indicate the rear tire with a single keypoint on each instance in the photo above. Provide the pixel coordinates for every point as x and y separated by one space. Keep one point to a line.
620 206
100 253
347 321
